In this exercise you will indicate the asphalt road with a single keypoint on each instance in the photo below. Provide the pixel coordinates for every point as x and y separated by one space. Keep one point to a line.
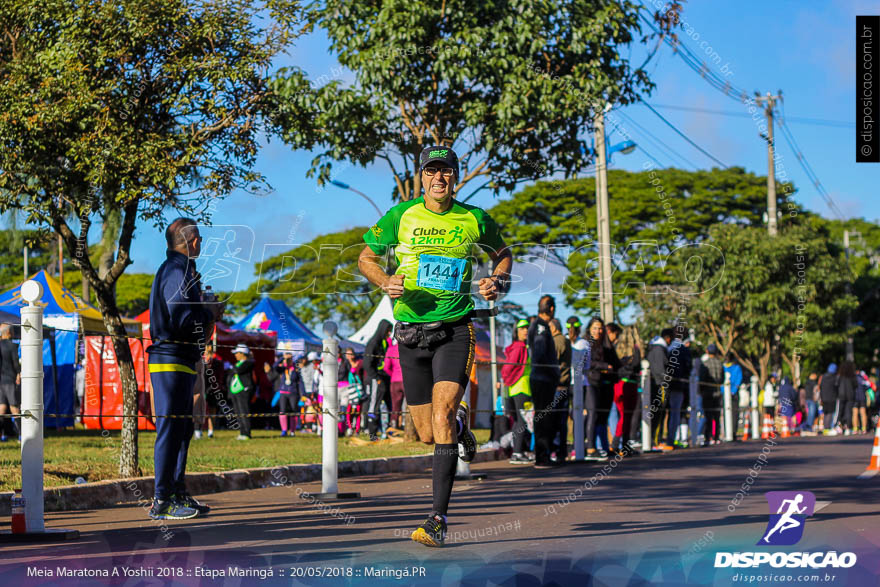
652 519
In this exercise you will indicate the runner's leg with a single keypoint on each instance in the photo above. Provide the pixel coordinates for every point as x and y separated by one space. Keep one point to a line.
446 396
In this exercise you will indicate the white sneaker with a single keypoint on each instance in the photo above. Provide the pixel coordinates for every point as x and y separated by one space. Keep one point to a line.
198 434
243 437
848 432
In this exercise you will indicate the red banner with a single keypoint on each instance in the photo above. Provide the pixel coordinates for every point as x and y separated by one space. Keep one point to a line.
103 386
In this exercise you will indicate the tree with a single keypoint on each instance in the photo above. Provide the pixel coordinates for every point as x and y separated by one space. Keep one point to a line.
657 216
133 109
504 84
42 252
319 280
864 270
765 299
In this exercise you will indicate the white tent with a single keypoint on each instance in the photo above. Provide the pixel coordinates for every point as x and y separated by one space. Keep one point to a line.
384 311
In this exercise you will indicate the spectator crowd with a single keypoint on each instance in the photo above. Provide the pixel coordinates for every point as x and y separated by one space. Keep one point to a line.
534 409
533 416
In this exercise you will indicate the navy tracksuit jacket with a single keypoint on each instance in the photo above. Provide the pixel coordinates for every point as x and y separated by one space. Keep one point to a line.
178 326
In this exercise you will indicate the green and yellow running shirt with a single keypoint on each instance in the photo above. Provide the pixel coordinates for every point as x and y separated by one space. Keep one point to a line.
433 254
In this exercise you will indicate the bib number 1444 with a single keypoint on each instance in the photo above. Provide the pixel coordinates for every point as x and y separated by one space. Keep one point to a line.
437 272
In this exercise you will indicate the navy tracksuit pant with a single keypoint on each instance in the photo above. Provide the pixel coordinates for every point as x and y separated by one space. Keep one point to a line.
173 395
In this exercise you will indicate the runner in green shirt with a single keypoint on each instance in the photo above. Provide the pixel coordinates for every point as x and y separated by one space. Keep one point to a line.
433 236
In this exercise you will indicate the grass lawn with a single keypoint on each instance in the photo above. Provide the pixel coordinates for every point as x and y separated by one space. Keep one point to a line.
86 453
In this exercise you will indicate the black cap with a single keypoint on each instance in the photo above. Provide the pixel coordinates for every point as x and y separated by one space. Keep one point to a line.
439 153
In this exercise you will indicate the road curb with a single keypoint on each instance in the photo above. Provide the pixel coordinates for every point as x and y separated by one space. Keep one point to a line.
103 494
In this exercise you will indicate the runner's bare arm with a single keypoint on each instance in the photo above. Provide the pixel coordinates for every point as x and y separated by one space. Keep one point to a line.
499 281
370 267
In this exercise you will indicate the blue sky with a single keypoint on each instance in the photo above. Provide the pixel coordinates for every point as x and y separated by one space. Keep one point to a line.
806 49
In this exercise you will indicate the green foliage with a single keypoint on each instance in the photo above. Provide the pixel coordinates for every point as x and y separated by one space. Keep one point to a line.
864 267
654 214
133 293
504 83
42 251
766 299
130 108
318 280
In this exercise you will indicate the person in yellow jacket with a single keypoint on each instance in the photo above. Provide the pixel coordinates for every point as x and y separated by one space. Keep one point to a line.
515 375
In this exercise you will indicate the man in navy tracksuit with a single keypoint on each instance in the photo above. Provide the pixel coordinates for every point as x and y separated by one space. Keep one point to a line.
179 325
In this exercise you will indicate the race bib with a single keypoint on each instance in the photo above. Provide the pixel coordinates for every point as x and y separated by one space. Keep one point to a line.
436 272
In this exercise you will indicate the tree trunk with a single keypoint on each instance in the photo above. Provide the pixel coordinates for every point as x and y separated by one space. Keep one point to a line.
128 451
105 288
86 294
109 236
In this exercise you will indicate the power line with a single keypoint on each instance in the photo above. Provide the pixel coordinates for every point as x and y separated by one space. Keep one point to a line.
642 149
663 147
805 165
685 137
626 135
698 65
798 119
728 89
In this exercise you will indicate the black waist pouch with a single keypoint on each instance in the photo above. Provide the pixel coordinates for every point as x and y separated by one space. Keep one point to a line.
421 335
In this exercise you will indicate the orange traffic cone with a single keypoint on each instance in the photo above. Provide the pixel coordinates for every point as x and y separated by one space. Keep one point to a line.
767 428
874 464
746 433
785 431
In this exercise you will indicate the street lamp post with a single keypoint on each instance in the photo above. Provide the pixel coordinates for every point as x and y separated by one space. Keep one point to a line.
345 186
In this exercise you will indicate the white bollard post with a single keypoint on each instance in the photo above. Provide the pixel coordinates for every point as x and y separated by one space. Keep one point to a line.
32 423
577 401
32 405
693 388
753 403
330 409
330 416
647 441
728 409
493 357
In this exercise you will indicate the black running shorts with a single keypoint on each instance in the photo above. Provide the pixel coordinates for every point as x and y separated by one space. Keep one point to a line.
450 359
10 394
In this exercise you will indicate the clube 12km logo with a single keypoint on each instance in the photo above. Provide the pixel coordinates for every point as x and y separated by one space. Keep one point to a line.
789 511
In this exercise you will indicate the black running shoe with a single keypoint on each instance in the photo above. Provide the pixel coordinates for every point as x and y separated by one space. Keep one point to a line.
187 500
432 532
467 444
169 510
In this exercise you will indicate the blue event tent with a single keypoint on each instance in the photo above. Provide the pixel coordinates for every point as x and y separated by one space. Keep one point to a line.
275 316
64 316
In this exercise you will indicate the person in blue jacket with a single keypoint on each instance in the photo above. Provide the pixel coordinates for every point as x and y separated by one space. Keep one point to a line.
180 323
736 379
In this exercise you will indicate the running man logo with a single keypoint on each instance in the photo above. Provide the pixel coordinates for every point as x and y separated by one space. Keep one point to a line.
438 153
376 231
455 236
786 525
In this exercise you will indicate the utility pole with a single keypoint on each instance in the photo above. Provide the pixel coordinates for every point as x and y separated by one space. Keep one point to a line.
769 103
850 352
606 306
